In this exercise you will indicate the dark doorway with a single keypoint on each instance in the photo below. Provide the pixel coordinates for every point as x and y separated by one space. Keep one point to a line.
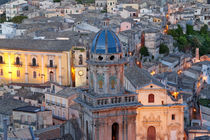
87 131
51 76
151 133
115 131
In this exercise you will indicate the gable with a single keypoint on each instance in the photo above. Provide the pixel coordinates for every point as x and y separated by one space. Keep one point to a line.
151 86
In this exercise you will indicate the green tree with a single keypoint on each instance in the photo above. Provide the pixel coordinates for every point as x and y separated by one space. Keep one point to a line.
204 29
195 42
144 51
189 29
163 49
3 18
179 30
182 40
56 0
18 19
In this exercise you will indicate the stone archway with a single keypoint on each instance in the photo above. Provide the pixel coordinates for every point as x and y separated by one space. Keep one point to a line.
151 133
115 131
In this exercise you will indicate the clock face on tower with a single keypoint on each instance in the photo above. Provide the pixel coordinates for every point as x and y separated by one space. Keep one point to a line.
81 73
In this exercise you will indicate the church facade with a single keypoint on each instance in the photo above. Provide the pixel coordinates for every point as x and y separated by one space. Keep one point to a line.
126 106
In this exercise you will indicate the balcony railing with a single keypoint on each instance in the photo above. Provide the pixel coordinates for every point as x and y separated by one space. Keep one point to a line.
18 64
2 62
51 66
25 122
33 65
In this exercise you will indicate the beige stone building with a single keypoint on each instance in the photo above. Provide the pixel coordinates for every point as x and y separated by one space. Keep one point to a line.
152 41
59 99
162 113
36 117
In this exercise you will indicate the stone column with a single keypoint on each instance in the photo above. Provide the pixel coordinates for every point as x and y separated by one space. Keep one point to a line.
69 68
10 71
118 71
26 69
106 80
60 77
43 75
94 80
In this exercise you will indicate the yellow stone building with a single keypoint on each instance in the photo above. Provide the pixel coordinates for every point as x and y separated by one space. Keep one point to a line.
39 61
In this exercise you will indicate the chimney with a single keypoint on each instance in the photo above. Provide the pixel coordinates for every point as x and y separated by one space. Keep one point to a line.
5 128
197 54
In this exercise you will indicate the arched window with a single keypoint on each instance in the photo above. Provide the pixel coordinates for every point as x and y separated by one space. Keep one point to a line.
151 133
112 84
51 76
151 98
34 62
115 131
100 78
100 83
51 63
1 59
17 60
80 59
112 81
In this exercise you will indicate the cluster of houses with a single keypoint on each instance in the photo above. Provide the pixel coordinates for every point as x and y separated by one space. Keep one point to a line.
41 100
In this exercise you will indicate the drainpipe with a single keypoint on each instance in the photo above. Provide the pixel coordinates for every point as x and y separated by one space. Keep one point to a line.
32 133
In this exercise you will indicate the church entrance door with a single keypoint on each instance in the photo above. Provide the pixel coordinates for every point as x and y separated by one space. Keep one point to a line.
151 133
115 131
173 135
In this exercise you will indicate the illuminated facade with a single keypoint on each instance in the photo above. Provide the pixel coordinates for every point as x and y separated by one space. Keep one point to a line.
39 61
161 116
143 110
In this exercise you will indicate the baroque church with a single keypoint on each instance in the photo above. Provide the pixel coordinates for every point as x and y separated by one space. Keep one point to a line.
126 103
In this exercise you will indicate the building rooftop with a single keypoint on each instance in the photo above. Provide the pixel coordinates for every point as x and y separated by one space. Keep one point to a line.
170 59
202 138
36 45
140 77
30 109
8 104
66 92
106 42
26 93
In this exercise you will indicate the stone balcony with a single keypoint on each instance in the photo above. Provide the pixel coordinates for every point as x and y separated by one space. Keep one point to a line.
108 100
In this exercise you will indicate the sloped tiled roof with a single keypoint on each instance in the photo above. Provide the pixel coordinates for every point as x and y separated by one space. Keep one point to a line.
7 105
36 45
140 77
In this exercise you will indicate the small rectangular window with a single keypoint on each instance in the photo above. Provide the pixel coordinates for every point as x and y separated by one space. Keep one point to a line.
34 74
18 73
173 116
1 72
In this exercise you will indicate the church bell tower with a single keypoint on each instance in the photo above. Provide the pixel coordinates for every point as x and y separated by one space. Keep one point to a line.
107 110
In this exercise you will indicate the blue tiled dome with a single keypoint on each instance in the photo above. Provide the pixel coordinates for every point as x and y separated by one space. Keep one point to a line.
106 42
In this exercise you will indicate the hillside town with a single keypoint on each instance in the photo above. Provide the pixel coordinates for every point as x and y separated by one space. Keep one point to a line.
104 70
